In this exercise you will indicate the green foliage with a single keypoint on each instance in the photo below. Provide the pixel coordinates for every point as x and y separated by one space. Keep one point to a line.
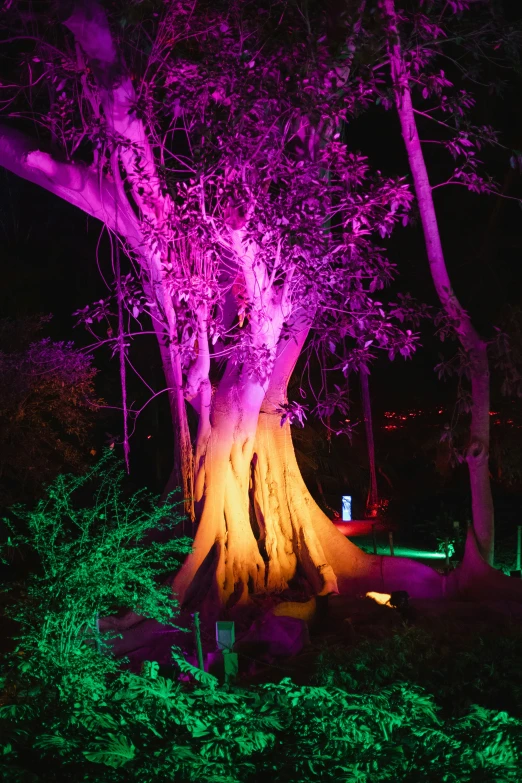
93 560
70 712
186 668
114 753
167 731
457 666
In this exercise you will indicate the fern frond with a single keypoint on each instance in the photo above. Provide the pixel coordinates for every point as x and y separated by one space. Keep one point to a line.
116 753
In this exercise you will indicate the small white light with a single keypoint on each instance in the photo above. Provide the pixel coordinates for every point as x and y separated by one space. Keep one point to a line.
347 508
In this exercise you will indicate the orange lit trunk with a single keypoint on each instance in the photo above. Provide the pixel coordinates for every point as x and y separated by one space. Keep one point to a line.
257 519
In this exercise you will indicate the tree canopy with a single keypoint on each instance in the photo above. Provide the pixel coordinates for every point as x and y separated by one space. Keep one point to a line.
216 131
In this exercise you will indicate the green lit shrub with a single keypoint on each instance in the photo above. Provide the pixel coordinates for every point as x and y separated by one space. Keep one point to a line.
458 666
159 731
89 542
69 711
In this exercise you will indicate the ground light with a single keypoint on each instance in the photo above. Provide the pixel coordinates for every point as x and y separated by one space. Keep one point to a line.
420 554
363 528
416 554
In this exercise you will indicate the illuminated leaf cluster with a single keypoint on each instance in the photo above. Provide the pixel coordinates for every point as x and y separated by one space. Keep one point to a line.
246 106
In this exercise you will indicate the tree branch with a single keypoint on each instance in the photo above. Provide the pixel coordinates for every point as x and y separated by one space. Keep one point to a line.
75 183
90 27
83 187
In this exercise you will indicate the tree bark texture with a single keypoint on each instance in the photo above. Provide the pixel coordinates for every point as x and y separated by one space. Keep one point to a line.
256 528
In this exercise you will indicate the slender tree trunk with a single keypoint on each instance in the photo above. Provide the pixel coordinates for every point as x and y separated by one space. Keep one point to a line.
478 448
477 455
372 501
182 473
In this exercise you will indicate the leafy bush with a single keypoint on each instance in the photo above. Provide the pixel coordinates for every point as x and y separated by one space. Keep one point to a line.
70 712
458 667
93 560
47 408
158 730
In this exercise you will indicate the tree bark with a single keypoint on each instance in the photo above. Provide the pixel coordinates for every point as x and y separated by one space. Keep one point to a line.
182 473
477 454
259 526
372 500
225 563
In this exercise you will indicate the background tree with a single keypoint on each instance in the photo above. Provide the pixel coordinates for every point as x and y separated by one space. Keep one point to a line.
372 500
47 409
416 46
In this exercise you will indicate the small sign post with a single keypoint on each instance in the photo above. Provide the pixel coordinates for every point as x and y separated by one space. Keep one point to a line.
518 572
225 638
199 648
225 634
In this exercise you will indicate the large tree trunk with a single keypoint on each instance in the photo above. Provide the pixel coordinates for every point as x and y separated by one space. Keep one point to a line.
226 563
259 526
256 529
478 447
285 512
